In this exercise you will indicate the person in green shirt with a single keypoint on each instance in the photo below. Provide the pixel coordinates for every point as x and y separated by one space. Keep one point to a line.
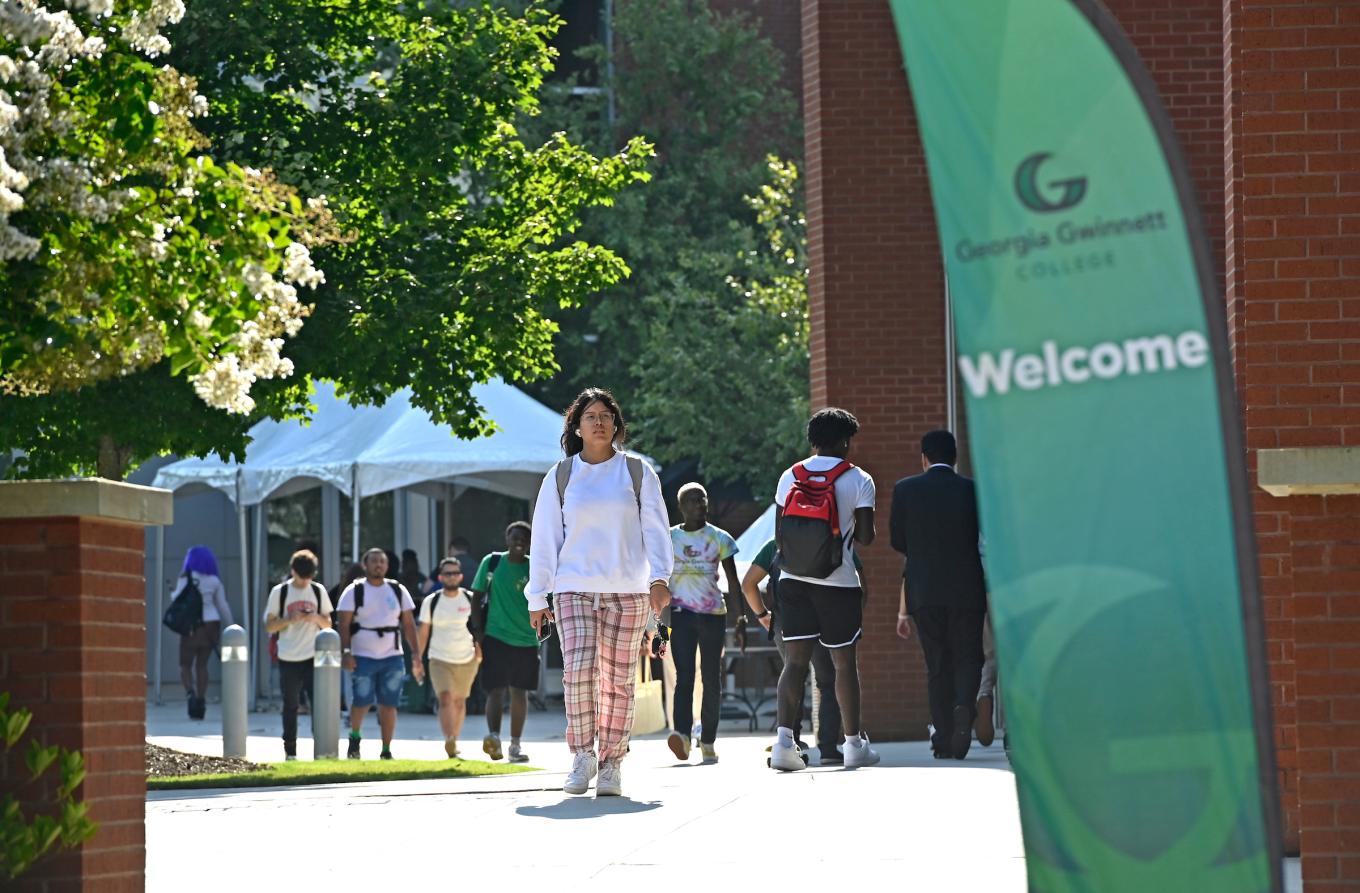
509 643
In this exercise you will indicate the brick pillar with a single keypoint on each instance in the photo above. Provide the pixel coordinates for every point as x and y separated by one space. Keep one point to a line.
876 300
1293 248
72 651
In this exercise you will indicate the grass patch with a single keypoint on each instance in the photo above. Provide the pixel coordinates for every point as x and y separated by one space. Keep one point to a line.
304 772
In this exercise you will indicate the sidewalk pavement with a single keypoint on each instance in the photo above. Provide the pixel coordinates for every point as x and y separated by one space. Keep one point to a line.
723 826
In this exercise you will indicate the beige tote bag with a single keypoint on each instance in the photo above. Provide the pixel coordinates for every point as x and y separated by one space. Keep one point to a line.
649 712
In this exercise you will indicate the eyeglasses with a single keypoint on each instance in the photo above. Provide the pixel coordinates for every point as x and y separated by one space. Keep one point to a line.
450 573
598 418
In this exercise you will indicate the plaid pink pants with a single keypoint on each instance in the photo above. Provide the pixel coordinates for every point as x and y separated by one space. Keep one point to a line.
599 666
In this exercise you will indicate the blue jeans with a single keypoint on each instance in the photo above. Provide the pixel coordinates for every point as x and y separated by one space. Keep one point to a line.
378 679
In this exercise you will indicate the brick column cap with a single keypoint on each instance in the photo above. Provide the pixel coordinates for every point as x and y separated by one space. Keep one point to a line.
87 498
1309 471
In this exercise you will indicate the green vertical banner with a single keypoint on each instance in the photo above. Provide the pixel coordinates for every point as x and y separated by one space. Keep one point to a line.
1094 364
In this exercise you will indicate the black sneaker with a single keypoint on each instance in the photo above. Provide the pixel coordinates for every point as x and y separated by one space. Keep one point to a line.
385 755
353 752
831 757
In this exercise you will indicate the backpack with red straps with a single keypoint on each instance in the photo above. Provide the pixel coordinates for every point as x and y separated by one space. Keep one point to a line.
810 539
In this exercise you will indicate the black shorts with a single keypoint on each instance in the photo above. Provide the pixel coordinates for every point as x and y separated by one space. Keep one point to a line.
834 615
512 665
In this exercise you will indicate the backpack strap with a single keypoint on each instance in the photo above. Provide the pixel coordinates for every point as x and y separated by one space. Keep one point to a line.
318 590
493 562
635 473
563 472
282 598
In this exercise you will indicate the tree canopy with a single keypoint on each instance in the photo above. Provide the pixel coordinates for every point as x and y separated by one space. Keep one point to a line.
451 235
706 343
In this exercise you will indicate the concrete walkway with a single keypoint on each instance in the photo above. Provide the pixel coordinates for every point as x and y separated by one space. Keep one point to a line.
725 826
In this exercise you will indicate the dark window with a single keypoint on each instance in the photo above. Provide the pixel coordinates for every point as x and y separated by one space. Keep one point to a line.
583 26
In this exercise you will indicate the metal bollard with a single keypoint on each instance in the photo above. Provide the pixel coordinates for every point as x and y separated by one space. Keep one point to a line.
235 691
326 696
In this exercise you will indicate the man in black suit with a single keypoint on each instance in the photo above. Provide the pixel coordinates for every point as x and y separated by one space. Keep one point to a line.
934 523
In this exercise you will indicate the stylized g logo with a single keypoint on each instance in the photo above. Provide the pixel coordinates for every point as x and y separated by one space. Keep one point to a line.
1027 186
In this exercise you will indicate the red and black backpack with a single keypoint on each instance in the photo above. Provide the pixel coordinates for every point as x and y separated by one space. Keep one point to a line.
810 540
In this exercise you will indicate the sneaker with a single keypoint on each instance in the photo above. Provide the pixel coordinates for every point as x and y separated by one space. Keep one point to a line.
831 757
583 767
290 757
517 754
858 753
353 752
679 745
786 758
385 755
610 783
451 748
983 725
710 755
491 745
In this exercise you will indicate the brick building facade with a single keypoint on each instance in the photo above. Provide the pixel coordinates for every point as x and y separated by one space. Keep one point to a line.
1265 98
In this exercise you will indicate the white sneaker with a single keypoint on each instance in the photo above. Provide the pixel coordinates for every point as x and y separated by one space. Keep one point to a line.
610 783
786 758
858 752
582 771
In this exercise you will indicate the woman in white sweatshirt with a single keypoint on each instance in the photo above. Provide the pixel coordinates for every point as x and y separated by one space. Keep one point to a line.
602 544
200 566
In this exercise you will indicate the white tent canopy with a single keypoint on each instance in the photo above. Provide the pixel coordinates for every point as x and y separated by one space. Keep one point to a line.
374 449
752 539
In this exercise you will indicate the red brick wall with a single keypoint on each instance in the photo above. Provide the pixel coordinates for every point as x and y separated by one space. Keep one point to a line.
72 651
1293 171
876 299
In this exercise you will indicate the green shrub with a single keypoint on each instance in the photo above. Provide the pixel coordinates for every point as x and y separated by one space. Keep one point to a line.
23 841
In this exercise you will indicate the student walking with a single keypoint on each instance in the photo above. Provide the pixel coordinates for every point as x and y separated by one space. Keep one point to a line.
375 613
445 629
824 506
199 573
509 644
699 617
297 610
604 548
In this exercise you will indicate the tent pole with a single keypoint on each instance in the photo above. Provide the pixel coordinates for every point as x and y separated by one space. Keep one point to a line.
158 582
245 556
354 514
261 563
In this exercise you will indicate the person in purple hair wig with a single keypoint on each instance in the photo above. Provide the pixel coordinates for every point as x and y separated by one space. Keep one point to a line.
195 647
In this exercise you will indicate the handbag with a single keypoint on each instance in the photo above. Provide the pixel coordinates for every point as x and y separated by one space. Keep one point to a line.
649 712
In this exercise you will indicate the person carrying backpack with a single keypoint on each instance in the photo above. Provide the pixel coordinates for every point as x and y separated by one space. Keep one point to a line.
297 610
199 582
375 613
824 505
447 630
509 643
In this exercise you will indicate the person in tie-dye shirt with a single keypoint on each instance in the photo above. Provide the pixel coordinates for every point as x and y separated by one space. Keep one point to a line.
699 617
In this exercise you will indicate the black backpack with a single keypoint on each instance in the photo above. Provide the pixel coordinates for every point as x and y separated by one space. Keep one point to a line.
494 563
354 625
317 590
185 613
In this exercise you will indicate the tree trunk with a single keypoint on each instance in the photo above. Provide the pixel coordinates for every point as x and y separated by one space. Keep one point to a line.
113 459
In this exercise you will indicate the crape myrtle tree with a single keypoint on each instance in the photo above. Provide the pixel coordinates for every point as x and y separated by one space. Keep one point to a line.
450 236
706 342
123 244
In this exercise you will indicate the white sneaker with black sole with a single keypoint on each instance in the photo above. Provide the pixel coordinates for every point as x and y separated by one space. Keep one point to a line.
583 766
786 758
857 752
610 783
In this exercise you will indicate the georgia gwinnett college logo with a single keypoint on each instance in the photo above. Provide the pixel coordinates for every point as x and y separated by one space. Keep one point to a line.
1027 186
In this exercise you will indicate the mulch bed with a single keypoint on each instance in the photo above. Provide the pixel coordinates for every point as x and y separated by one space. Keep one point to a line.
164 762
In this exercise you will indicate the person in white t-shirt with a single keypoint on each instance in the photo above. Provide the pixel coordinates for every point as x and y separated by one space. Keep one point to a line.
826 606
297 610
455 653
374 614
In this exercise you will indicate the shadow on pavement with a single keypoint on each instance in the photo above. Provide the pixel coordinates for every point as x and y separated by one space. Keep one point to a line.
588 808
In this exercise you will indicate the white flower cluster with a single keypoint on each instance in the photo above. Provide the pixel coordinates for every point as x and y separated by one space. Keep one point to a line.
144 28
256 349
42 42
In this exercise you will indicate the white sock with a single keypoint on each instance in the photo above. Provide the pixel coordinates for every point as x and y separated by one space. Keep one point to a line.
785 736
514 742
854 741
